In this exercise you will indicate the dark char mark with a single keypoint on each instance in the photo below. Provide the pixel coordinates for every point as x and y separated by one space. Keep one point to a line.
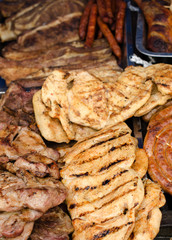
111 164
106 232
80 175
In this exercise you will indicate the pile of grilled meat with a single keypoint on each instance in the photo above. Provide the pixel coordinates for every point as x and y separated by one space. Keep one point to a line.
44 36
29 175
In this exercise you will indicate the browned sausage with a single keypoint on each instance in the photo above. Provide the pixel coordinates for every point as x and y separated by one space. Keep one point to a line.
119 29
84 20
108 4
100 34
109 36
91 26
102 10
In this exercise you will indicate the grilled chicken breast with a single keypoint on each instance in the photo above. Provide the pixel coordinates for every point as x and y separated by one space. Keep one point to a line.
103 191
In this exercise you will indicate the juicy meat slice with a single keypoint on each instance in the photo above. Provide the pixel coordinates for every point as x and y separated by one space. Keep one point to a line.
38 165
16 107
53 225
66 56
28 150
98 103
8 7
20 194
26 232
62 29
12 224
37 15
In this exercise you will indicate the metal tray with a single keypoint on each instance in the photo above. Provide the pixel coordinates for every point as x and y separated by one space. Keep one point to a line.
141 39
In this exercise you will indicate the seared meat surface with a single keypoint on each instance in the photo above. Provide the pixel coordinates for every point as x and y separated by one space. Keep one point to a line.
13 224
9 7
29 184
16 107
53 225
19 63
42 15
21 148
17 193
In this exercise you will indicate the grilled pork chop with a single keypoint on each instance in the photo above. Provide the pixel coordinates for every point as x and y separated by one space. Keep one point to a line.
16 107
162 76
12 224
49 127
103 191
17 194
22 148
66 56
156 99
41 16
54 224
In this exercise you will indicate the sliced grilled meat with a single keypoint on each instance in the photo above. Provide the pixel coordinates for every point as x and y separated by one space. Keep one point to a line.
21 148
12 224
66 56
42 15
16 194
53 225
16 107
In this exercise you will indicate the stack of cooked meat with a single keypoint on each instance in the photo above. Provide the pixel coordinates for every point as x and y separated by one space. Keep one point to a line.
30 186
103 158
106 197
106 97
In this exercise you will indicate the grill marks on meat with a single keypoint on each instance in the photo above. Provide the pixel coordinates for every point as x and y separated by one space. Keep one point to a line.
22 148
103 192
16 107
101 102
110 154
148 216
54 224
